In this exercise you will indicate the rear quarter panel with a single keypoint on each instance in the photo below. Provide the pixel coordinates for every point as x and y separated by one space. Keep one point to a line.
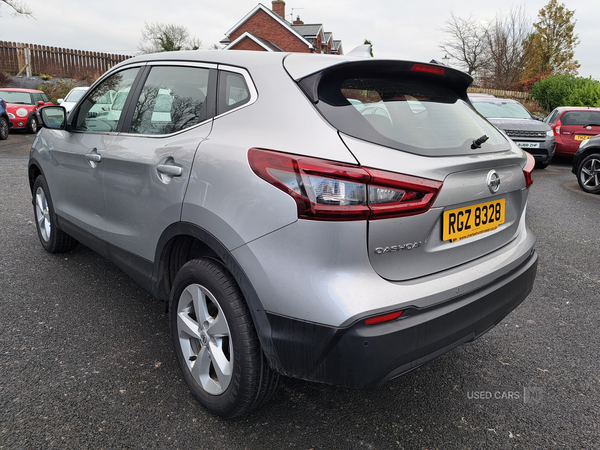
224 195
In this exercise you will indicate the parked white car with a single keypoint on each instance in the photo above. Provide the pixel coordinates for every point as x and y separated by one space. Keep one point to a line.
72 98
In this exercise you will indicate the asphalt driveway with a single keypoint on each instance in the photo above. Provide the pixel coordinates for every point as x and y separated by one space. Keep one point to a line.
86 360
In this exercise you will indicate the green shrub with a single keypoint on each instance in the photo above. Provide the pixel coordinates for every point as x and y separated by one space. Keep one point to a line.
56 90
45 77
566 90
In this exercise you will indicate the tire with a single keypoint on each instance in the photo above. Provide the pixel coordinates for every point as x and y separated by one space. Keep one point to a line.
53 239
588 173
3 128
216 344
32 124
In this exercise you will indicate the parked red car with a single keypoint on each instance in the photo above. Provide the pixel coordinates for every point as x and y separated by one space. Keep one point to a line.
22 106
572 125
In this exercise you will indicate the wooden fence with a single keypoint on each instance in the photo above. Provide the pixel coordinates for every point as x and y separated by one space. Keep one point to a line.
30 59
499 93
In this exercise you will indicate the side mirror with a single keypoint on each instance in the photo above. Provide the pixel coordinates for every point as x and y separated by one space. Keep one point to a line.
54 117
60 100
41 103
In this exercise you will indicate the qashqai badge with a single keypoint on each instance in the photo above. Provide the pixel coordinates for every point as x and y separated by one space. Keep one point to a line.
493 181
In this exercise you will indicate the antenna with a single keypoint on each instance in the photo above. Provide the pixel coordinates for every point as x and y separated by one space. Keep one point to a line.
292 13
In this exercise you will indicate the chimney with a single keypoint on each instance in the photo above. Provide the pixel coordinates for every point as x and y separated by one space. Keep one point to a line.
298 21
279 8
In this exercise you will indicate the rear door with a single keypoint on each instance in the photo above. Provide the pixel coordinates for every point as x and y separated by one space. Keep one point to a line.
578 126
147 167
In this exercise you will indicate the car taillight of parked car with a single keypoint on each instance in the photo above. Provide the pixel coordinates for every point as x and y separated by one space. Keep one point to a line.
528 170
335 191
556 128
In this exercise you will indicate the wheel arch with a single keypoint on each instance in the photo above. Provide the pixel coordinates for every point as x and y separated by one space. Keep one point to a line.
33 171
581 156
4 116
182 242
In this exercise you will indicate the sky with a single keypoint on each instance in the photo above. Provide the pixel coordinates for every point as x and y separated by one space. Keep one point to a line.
411 30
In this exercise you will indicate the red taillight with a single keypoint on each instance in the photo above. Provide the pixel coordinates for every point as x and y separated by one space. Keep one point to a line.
419 194
330 190
557 128
528 169
428 69
384 318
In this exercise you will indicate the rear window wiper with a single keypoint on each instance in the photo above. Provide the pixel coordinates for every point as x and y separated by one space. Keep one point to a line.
477 142
591 125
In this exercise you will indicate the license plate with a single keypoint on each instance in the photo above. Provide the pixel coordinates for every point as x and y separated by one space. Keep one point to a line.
528 144
472 220
581 137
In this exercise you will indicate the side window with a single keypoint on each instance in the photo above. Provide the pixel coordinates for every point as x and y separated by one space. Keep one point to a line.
173 99
102 108
37 98
233 91
552 117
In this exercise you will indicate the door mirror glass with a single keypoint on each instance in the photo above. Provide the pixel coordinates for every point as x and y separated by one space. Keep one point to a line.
54 117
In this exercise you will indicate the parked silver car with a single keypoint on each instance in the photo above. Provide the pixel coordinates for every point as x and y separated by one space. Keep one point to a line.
529 133
335 219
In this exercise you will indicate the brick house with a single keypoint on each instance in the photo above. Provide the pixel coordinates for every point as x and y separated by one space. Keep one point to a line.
266 29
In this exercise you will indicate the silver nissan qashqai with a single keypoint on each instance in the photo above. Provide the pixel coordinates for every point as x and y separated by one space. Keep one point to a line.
331 218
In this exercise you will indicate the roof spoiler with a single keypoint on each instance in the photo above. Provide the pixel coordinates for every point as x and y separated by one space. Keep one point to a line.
362 51
454 79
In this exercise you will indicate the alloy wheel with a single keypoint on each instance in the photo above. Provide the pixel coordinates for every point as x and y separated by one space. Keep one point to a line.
590 173
42 214
205 339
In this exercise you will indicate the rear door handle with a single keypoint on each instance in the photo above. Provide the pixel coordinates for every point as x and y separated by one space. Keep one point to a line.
170 170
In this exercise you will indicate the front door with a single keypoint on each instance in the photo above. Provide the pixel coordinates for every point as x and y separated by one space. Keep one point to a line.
78 158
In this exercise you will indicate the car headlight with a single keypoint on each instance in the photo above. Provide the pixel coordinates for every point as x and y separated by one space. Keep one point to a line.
584 143
549 133
11 116
21 112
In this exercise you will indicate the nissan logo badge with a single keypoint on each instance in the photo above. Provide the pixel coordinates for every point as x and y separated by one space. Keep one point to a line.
493 181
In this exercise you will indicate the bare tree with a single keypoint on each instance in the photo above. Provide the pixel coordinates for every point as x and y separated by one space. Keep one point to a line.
507 49
157 37
466 43
19 8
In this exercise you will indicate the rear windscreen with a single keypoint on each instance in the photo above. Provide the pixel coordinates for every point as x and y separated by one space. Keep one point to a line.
406 111
583 118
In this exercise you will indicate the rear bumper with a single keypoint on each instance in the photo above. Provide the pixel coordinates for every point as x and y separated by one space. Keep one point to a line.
362 356
565 149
